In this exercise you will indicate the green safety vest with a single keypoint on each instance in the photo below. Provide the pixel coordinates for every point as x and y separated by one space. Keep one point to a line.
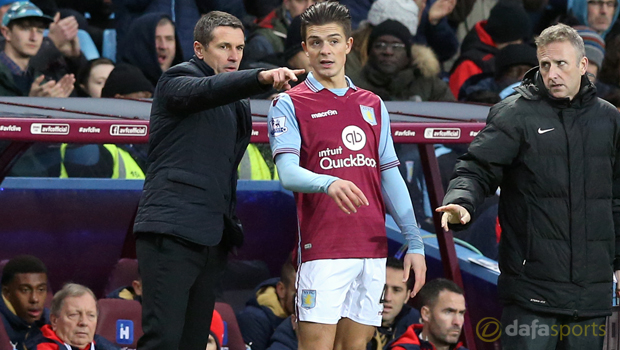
125 167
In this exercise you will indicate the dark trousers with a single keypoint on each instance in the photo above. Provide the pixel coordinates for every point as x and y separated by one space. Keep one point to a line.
523 329
178 280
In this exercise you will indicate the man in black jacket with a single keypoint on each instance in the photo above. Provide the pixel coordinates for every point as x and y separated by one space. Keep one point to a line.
552 148
186 223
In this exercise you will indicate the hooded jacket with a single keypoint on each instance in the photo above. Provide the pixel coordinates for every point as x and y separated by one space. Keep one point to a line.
284 337
138 46
558 166
478 56
579 9
410 340
261 315
417 82
48 340
16 328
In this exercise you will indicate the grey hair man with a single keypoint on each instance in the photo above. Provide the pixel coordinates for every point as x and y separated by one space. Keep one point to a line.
552 148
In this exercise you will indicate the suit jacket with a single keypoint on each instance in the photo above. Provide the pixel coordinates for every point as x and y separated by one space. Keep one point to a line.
200 127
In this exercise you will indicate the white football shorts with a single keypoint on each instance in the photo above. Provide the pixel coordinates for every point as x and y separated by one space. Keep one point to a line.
330 289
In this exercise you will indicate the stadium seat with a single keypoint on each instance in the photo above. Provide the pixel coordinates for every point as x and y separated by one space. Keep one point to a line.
233 339
109 44
120 321
125 271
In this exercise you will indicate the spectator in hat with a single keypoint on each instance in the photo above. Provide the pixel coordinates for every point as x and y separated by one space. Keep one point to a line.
595 50
405 12
511 64
22 27
216 333
398 71
508 24
599 15
127 81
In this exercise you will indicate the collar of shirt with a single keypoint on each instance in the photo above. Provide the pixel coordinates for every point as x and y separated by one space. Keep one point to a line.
315 86
13 67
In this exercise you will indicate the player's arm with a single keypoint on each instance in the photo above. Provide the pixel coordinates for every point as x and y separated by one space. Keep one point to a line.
398 204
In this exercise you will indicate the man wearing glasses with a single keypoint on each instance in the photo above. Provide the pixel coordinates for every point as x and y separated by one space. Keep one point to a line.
391 72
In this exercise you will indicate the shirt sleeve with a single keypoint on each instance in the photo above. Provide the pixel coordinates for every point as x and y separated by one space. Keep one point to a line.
387 154
284 136
298 179
398 204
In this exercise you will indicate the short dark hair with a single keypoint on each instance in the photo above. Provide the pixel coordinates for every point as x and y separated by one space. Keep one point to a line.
288 271
324 13
203 32
22 264
84 72
429 294
28 22
398 264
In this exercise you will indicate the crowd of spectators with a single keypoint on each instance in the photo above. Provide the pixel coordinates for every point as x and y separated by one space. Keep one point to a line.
404 50
34 320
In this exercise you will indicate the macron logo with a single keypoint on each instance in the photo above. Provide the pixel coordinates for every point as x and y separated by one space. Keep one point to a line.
324 114
541 131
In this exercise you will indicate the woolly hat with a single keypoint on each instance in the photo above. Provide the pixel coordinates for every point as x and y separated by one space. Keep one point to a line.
513 55
217 328
292 44
394 28
125 79
507 22
594 44
404 11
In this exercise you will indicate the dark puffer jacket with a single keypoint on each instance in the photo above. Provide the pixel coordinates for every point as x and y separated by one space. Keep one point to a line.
557 163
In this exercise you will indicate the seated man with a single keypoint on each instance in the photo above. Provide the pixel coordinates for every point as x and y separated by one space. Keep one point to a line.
274 302
24 290
73 319
397 315
443 314
396 71
132 292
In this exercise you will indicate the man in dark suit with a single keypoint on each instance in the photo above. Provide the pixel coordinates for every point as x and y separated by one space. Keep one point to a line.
186 223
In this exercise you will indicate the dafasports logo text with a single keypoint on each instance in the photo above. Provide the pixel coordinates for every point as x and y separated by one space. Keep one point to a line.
489 329
352 161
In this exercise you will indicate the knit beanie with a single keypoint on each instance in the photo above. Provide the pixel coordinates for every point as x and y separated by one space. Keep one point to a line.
507 22
394 28
404 11
125 79
217 328
292 44
594 44
513 55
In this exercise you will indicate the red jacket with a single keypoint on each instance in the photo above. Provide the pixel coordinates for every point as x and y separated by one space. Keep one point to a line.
411 341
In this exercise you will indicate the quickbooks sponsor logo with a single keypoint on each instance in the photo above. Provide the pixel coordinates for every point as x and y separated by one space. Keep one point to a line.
352 161
404 133
49 129
444 133
89 130
11 128
128 130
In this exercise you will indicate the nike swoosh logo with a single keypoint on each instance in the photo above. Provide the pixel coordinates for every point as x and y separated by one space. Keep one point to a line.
541 131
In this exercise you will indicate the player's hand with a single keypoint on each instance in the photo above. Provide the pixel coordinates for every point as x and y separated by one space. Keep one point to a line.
347 195
417 263
279 78
453 214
